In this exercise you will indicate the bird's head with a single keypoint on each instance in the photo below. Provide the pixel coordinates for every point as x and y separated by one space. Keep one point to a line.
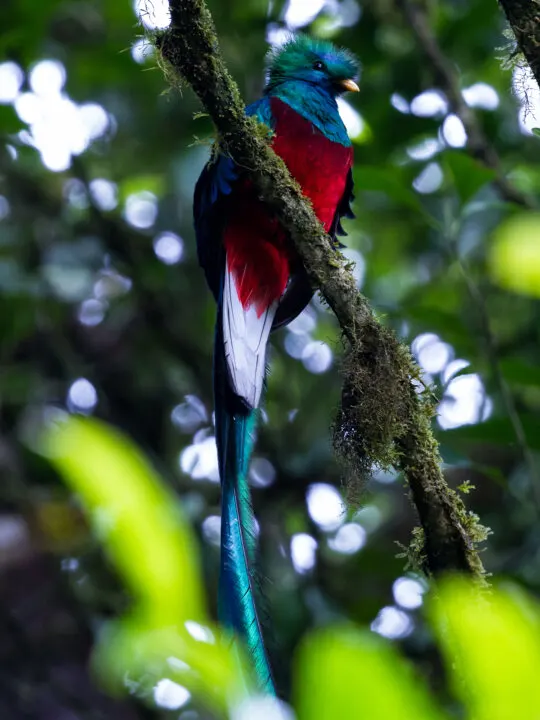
316 62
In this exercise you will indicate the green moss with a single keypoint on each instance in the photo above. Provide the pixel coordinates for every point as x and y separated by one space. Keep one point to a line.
414 553
375 405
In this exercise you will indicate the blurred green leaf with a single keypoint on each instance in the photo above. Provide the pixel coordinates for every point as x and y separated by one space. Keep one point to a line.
390 181
519 372
491 645
141 183
495 431
515 254
346 673
146 536
468 174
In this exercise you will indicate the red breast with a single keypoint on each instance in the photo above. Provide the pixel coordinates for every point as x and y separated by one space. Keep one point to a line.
257 247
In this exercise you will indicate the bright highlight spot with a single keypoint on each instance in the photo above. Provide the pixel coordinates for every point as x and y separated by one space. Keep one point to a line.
169 248
142 50
199 632
92 312
300 13
190 414
262 708
317 357
211 529
408 593
104 193
349 539
47 78
359 268
425 149
432 354
170 695
453 368
296 344
429 180
392 623
352 119
431 103
82 396
111 284
453 132
303 551
95 119
400 104
304 323
200 460
464 403
58 128
482 96
141 209
11 80
154 14
528 93
261 472
325 506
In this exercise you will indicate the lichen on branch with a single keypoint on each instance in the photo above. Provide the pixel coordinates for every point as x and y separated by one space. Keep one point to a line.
383 419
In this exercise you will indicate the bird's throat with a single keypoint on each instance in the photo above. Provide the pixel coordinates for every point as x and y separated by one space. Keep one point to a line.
315 104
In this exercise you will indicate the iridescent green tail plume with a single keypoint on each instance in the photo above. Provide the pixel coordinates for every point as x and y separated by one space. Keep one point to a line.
237 584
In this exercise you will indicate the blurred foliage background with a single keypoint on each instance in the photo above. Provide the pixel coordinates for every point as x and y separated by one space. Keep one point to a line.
104 311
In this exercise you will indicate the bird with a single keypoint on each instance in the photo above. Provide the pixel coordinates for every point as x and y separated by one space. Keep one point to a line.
260 285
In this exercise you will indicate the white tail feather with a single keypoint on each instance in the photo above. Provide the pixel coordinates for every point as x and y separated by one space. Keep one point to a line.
245 336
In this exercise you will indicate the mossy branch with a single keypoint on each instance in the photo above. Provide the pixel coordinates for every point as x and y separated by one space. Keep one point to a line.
524 19
383 419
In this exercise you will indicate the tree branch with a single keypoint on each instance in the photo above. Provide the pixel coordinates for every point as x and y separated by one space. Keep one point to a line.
524 19
382 416
448 77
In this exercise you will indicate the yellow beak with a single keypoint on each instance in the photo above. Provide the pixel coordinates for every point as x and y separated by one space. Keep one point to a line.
349 85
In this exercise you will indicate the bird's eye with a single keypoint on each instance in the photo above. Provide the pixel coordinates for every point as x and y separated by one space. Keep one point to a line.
318 65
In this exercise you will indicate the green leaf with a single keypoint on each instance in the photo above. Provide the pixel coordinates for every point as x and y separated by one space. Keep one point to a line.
496 431
515 254
149 541
391 181
519 372
468 174
536 131
492 650
348 673
142 183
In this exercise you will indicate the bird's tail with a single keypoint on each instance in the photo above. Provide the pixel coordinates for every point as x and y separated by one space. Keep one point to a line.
237 609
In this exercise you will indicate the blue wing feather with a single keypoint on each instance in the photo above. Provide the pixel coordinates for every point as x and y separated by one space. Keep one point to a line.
214 185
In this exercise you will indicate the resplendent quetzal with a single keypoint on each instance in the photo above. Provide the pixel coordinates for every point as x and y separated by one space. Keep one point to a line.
259 284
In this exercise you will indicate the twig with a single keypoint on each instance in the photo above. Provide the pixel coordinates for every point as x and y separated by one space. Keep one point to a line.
448 78
383 368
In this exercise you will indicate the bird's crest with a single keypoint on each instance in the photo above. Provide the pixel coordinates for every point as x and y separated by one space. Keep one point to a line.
310 59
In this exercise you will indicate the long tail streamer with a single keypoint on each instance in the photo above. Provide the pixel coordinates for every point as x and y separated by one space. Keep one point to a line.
235 425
